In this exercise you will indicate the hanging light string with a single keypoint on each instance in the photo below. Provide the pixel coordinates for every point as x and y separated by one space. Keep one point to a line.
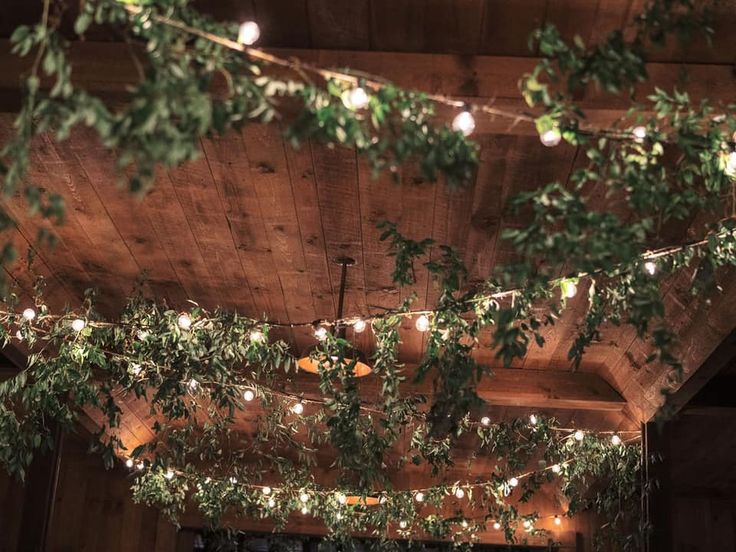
249 34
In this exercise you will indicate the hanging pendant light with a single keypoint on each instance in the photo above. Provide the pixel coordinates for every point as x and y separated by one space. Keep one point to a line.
313 359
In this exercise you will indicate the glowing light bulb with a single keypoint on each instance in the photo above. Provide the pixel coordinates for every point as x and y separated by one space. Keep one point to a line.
513 482
556 468
615 440
650 267
533 419
256 336
459 493
338 516
558 520
485 420
266 491
419 497
233 481
19 335
140 465
193 384
298 409
569 288
305 510
527 524
135 368
464 122
304 497
359 326
422 323
731 163
355 98
464 524
341 498
142 335
496 525
402 524
78 324
271 503
551 137
579 435
29 314
639 132
207 480
248 33
184 321
129 463
320 333
169 475
248 395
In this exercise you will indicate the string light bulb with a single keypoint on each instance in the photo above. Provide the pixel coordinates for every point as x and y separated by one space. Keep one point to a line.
650 267
558 520
135 368
731 163
355 98
271 503
129 463
305 510
298 409
248 33
615 440
320 333
579 435
569 288
256 336
639 133
464 523
304 497
169 474
533 419
464 122
184 321
459 493
551 137
249 395
193 384
140 465
233 480
496 525
359 326
419 497
402 524
78 324
527 524
19 335
29 314
341 498
266 490
422 323
485 420
513 482
556 468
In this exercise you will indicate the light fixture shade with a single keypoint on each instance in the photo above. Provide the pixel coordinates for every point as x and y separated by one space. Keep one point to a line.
308 363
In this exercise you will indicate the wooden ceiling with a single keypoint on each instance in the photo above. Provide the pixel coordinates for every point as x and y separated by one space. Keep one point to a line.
254 225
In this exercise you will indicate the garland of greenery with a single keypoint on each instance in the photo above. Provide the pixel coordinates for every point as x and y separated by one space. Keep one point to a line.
195 368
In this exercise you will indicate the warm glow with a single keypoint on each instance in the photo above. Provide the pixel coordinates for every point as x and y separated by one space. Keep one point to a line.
184 321
422 323
551 138
78 324
464 122
248 33
29 314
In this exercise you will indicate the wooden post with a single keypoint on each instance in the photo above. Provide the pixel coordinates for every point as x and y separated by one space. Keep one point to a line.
659 503
40 496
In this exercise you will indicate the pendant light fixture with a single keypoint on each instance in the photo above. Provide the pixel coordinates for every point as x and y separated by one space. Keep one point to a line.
310 360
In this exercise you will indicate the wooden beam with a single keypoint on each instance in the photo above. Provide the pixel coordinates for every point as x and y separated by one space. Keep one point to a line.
108 68
544 389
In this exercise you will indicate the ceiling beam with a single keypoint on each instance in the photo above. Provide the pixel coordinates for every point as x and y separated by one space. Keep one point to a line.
107 68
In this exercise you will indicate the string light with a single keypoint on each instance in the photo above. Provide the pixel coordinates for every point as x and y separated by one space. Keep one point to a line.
402 524
556 468
579 435
513 482
459 493
129 463
558 520
169 475
569 288
341 498
78 324
650 267
419 497
135 368
266 491
140 465
298 409
29 314
464 523
305 510
533 419
184 321
615 440
320 333
271 503
304 497
193 384
19 335
142 335
355 98
464 122
248 33
256 336
359 326
249 395
422 323
639 134
233 481
527 524
731 163
551 137
485 420
496 525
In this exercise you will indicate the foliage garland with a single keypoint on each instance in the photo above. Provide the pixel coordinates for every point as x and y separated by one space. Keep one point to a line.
193 376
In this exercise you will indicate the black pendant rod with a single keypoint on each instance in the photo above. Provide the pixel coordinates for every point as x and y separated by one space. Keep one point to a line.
344 262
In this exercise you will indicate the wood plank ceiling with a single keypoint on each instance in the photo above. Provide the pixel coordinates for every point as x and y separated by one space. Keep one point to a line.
254 225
